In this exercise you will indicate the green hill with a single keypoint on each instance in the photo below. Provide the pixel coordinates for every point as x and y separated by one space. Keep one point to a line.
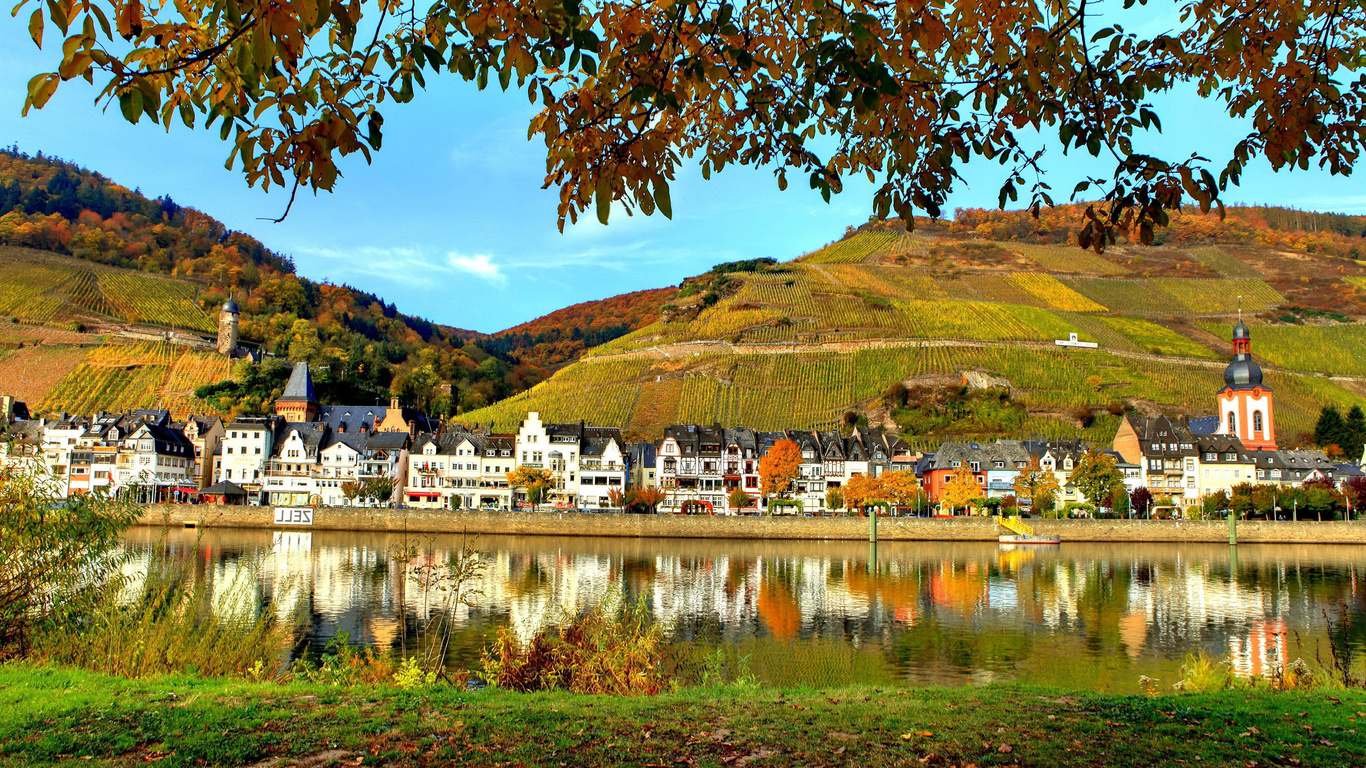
966 326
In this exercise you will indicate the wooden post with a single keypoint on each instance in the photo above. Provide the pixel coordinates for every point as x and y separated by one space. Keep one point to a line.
1232 528
872 525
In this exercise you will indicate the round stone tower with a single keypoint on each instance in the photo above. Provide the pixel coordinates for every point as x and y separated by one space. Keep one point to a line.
227 329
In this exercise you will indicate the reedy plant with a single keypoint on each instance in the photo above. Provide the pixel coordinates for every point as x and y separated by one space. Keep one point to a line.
175 620
60 558
444 583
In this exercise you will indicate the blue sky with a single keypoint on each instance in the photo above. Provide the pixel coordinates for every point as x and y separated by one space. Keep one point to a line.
450 221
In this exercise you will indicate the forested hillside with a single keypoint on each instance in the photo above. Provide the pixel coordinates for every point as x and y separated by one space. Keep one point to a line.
116 240
563 335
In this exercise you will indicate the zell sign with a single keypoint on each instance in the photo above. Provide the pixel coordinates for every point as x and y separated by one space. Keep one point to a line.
293 516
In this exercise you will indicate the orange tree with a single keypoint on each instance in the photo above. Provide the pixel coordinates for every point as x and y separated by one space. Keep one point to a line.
649 498
778 468
1036 484
533 479
900 488
860 491
962 489
628 92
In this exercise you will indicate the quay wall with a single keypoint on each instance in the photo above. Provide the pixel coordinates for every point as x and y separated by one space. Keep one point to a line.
709 527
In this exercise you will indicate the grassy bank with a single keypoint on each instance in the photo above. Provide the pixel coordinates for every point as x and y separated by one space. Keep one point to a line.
63 716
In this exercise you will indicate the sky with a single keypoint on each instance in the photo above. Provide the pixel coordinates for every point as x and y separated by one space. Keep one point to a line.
450 222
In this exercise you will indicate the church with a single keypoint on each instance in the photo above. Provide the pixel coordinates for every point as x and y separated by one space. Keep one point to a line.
1245 408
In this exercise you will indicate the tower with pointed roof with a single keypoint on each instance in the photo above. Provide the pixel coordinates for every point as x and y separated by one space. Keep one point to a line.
298 402
1245 407
227 329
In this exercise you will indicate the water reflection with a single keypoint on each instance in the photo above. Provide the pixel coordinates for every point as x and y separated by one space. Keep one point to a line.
1083 615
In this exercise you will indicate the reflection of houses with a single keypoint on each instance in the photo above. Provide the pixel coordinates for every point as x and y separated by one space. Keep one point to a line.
1262 651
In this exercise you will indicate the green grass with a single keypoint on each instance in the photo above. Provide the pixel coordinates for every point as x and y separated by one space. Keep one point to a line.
63 717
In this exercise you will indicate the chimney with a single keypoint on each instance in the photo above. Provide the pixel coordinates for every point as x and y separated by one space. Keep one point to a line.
393 403
341 427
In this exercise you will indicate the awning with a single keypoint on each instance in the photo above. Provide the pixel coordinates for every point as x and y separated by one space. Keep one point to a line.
424 494
186 490
225 488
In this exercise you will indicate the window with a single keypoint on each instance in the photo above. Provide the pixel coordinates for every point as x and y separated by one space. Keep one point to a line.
1232 423
1256 421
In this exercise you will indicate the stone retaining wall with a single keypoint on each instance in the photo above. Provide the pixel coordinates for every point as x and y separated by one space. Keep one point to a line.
708 527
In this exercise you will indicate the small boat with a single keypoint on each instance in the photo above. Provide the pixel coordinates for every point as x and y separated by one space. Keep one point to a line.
1023 534
1015 538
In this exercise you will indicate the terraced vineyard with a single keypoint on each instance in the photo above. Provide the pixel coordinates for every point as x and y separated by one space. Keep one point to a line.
801 345
122 377
41 287
814 389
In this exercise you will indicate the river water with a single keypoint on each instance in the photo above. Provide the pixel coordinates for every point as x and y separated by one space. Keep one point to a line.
1087 616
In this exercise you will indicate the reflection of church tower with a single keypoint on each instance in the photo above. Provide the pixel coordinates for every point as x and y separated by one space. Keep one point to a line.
298 402
227 329
1244 404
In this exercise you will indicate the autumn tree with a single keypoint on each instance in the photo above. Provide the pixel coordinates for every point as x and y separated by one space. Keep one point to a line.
1141 501
739 499
534 479
778 468
630 92
860 491
900 488
650 498
617 498
962 489
1036 484
834 498
1096 476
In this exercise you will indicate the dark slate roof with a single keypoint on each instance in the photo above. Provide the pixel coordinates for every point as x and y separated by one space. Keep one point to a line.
1222 446
300 386
1205 425
388 441
352 418
313 434
641 455
1172 439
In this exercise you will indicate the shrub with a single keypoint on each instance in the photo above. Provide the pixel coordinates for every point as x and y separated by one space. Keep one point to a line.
615 648
59 557
1084 416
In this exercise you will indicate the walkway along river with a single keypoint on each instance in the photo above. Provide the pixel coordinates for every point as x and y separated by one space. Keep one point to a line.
550 523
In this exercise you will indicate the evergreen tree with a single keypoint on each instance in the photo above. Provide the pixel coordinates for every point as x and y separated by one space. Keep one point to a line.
1330 428
1355 427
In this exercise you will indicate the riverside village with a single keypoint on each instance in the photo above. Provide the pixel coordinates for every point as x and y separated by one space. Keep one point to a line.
305 454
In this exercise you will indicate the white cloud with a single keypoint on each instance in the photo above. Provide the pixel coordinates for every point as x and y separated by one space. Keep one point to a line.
480 265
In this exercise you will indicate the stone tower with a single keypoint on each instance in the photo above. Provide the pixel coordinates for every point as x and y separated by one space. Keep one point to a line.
1245 407
298 402
227 329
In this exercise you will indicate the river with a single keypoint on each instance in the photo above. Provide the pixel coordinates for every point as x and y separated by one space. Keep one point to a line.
1084 616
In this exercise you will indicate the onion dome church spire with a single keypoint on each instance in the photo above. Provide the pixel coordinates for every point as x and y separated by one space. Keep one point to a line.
1245 403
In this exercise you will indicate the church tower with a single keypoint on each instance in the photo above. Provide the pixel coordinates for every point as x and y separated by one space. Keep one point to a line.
227 329
1245 408
298 402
